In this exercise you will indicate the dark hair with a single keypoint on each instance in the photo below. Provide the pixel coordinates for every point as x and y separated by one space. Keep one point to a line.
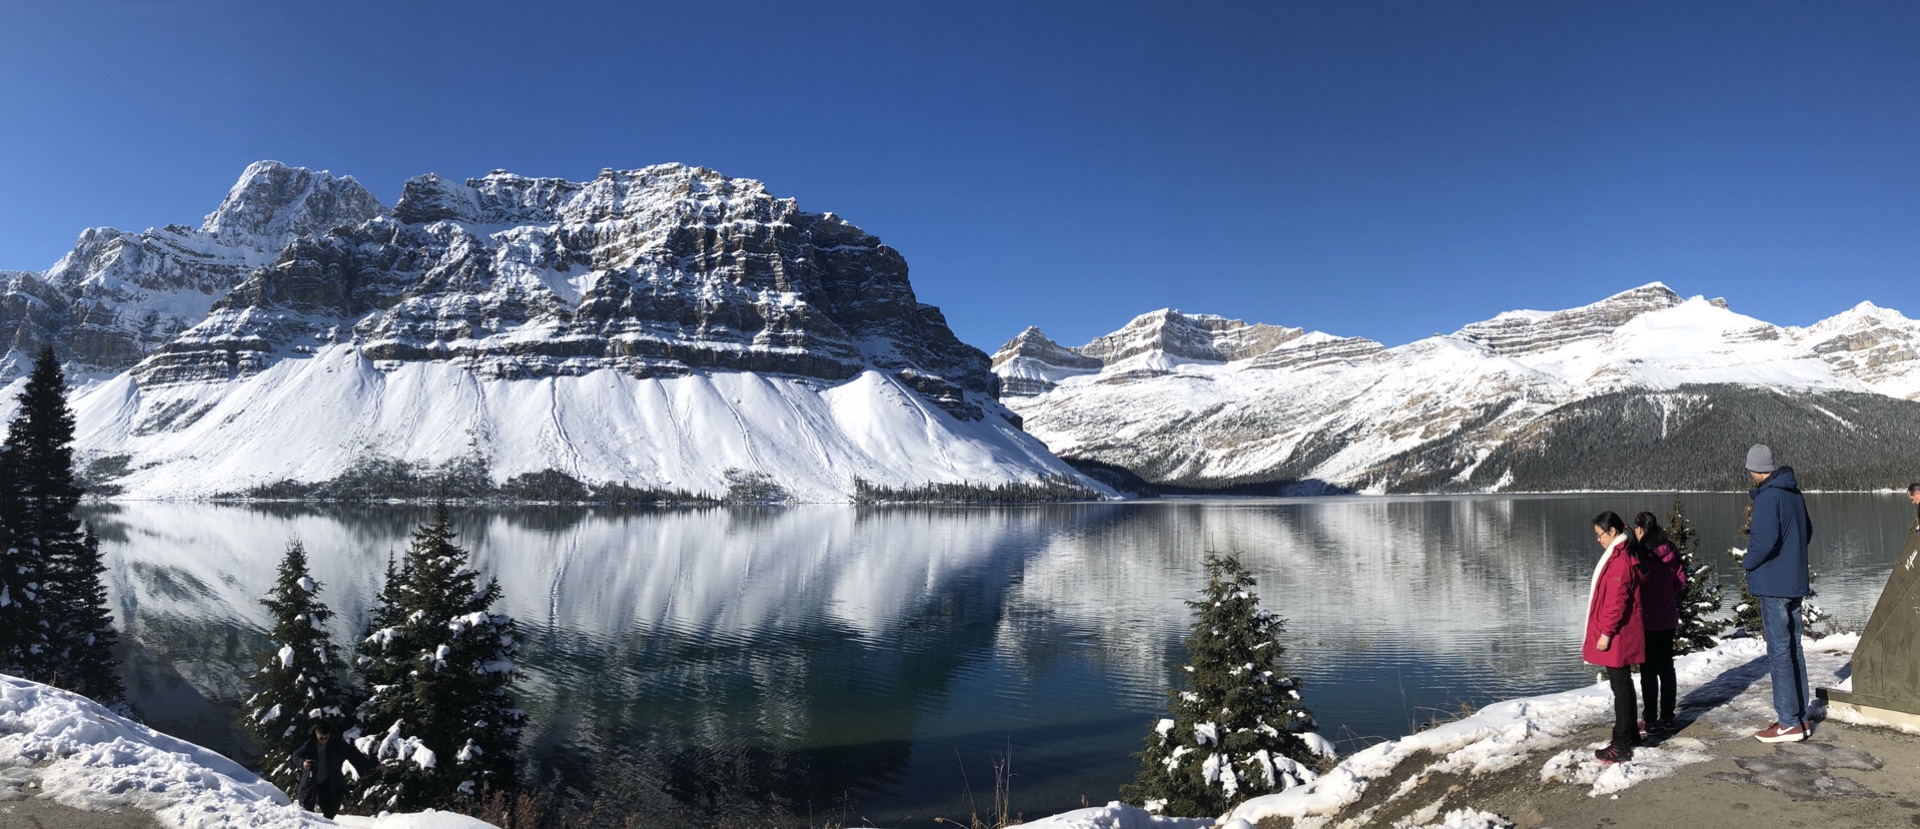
1913 489
1653 535
320 728
1609 521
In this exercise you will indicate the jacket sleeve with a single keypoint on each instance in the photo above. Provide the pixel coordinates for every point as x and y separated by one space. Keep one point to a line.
306 751
1672 557
1764 542
1616 599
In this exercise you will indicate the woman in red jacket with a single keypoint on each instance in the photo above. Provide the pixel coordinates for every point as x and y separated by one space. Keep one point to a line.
1616 638
1666 580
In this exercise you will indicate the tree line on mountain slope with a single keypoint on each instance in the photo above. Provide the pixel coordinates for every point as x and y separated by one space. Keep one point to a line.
1693 439
1686 439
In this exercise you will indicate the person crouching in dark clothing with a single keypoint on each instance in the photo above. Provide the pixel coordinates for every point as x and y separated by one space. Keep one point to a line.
319 759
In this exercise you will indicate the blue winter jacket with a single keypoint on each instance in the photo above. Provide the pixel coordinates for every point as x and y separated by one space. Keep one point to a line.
1776 561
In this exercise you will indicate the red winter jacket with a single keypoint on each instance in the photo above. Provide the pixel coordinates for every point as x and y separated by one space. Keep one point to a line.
1660 594
1613 608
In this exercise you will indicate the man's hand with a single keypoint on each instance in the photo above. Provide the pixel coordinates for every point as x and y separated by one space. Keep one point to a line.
307 764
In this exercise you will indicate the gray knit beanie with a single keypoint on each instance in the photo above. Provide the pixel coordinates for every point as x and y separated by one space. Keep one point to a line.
1760 459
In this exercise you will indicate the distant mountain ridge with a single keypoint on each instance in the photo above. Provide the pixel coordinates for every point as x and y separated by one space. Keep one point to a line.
662 328
1203 402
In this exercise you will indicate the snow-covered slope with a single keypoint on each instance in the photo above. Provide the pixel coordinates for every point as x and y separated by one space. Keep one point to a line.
1162 398
83 756
666 328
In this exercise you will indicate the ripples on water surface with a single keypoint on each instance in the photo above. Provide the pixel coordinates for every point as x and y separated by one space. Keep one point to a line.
884 656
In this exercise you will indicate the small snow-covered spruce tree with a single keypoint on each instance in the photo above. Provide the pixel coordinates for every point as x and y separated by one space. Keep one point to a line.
1746 613
1814 622
1238 727
299 675
439 716
1700 622
55 625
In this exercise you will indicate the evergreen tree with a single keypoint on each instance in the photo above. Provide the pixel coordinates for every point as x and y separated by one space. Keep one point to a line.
1814 621
86 637
298 679
1746 614
23 601
56 626
1238 728
1700 623
439 716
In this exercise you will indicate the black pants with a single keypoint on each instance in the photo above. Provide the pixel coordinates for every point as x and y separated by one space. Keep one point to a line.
327 798
1656 677
1626 726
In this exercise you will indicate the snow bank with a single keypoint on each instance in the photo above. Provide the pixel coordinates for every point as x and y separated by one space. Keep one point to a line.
1722 691
79 754
429 819
1117 815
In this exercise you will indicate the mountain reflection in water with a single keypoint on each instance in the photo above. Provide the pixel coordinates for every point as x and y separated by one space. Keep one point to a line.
872 662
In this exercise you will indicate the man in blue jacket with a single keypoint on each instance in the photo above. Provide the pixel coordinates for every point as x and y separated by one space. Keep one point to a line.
1776 565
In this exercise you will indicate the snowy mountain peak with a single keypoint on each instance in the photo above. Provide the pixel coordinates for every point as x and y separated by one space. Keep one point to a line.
1168 341
665 327
1460 411
1167 333
1519 333
273 202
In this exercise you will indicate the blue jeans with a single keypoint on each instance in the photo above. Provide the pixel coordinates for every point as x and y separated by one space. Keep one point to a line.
1780 622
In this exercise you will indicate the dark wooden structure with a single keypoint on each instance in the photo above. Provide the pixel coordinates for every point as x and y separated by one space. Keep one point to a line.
1886 665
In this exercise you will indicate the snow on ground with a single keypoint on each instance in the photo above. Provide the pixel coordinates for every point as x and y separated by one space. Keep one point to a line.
1724 693
1117 816
311 419
78 754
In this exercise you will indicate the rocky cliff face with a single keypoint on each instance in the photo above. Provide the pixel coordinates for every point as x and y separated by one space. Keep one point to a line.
1160 343
1206 403
120 296
655 275
653 272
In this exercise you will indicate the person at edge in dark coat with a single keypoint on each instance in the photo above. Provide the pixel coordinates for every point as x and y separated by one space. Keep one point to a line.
1666 580
1913 497
320 756
1616 638
1776 565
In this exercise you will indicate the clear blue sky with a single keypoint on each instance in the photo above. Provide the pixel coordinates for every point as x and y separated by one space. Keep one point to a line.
1380 169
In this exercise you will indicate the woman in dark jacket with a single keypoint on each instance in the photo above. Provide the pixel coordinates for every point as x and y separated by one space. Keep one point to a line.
1616 638
1666 580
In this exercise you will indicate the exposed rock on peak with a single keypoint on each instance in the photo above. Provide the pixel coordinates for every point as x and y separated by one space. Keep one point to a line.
1525 332
272 203
1160 342
1031 363
1189 337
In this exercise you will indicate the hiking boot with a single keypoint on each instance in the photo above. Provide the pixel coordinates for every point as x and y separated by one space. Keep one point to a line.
1777 733
1613 754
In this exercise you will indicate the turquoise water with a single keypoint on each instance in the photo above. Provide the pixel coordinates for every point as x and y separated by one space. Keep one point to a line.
872 663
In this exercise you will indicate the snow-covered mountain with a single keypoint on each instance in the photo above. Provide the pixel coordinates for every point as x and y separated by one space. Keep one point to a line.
1642 389
667 328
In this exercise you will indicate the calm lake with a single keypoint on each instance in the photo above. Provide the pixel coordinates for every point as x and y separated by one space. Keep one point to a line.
870 664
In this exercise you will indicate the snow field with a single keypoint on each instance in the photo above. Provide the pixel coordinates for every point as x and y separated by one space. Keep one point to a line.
311 418
79 754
